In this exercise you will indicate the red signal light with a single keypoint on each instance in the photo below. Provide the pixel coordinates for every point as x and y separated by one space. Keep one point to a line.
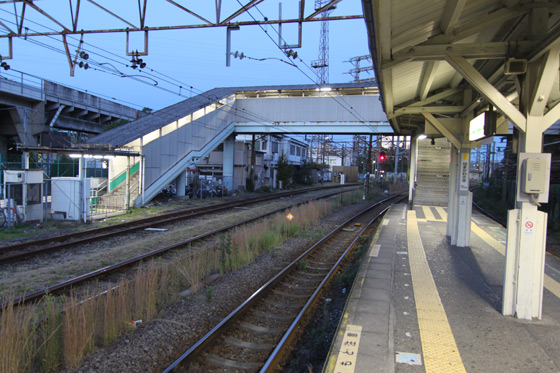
382 157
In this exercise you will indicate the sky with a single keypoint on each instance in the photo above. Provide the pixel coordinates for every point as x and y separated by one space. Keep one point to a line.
181 59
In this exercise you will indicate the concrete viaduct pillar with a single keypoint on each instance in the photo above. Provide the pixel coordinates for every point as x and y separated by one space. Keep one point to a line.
181 183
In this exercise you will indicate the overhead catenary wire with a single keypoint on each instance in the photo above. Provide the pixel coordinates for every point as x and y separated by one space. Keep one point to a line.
166 78
181 86
114 71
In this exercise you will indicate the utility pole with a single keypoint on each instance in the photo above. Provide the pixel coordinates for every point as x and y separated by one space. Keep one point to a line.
253 161
397 160
369 161
378 146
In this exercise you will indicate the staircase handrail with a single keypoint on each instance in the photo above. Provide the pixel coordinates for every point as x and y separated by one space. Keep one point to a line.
121 177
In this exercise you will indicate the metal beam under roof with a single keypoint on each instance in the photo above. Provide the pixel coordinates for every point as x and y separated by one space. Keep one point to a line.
422 53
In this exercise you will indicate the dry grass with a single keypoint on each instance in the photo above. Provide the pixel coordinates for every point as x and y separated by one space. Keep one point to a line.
190 270
50 334
16 338
145 291
65 339
78 329
116 311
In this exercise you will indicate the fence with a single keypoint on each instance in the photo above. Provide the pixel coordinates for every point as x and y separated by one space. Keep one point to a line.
106 205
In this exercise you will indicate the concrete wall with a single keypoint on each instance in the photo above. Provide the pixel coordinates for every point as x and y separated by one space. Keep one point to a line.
71 97
314 109
162 153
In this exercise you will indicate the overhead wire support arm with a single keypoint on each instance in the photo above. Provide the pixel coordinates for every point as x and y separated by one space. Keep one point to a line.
281 42
32 5
19 22
74 30
322 9
113 14
74 15
71 61
244 9
136 53
142 12
193 13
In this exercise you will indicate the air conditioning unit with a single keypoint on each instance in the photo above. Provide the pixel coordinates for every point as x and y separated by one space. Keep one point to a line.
12 176
515 66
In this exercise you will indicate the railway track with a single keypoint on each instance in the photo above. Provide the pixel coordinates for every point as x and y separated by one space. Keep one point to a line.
258 334
29 249
504 224
107 270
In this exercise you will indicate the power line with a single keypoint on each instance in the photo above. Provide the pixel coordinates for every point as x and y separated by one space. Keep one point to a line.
350 109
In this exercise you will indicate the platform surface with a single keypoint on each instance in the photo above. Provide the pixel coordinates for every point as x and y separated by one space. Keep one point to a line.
421 305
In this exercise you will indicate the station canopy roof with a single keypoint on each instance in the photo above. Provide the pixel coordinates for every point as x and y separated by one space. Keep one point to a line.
426 53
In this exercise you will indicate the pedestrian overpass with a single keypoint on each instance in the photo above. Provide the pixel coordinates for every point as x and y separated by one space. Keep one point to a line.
173 138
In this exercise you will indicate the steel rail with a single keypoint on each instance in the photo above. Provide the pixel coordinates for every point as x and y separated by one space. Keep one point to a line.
503 224
97 234
118 266
279 352
484 212
211 336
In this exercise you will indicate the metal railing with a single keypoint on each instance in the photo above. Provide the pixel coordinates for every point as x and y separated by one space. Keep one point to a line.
107 205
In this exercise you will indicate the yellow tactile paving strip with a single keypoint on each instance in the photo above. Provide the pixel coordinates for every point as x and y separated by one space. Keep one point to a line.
428 213
439 349
549 283
441 212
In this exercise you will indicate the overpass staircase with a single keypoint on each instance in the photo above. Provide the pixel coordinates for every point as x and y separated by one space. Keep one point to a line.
190 155
170 140
105 203
176 137
433 173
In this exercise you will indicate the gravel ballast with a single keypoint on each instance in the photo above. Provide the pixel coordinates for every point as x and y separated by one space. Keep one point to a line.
157 343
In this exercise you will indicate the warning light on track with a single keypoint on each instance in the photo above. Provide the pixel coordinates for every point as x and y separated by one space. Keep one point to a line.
289 216
382 157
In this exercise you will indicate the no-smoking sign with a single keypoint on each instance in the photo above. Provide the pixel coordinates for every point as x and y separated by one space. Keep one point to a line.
529 227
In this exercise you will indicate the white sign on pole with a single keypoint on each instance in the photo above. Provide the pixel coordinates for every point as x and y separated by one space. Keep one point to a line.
464 182
529 228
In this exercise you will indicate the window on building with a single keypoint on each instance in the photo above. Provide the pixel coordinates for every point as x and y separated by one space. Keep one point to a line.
33 194
292 150
264 144
275 147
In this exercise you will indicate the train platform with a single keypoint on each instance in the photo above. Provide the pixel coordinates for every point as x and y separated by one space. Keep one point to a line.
421 305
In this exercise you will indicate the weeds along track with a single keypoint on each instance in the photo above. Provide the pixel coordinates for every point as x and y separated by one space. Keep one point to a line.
113 271
30 249
257 336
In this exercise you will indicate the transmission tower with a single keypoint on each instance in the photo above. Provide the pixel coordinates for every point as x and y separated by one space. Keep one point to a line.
355 72
322 64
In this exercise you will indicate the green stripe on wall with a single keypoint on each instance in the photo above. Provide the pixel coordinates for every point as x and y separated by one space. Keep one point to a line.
122 177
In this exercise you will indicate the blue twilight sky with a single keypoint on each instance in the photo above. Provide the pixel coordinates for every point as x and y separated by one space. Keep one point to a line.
187 58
